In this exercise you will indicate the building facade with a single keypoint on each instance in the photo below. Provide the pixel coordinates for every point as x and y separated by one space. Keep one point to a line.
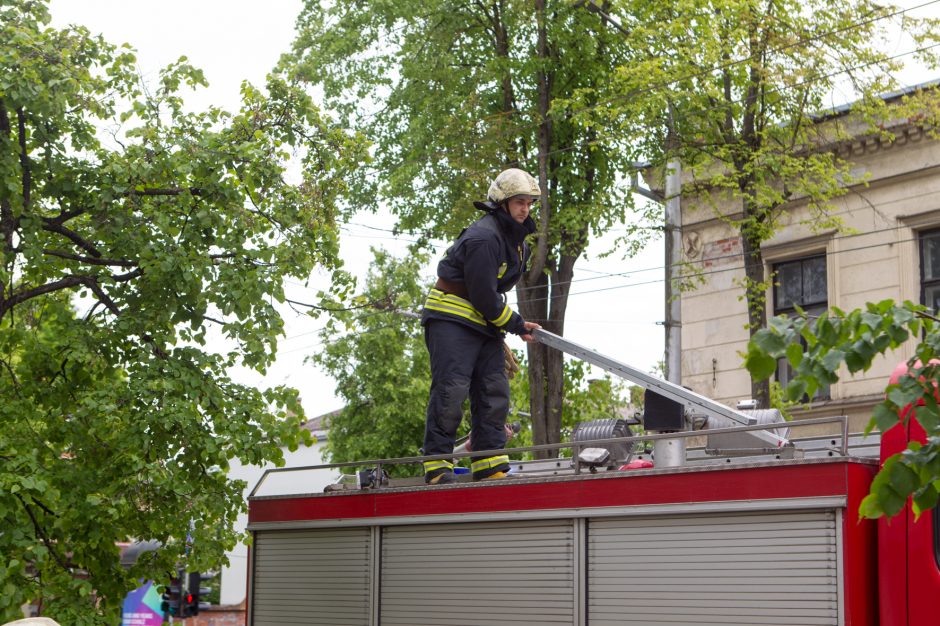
888 248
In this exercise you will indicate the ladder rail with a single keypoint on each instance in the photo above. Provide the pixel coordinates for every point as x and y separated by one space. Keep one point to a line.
687 398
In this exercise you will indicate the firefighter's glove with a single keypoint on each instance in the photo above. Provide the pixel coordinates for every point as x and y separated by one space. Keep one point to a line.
511 365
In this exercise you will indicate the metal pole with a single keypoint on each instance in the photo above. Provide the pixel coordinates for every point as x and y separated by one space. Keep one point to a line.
673 260
671 452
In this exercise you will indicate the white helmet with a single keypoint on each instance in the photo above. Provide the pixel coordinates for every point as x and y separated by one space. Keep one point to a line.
513 182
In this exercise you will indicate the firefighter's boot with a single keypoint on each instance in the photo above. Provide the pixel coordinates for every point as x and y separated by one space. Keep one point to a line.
442 476
490 468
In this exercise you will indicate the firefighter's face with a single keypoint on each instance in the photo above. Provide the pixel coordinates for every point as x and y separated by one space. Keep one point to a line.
519 207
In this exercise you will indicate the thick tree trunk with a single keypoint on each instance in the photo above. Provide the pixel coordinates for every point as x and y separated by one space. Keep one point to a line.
539 285
533 306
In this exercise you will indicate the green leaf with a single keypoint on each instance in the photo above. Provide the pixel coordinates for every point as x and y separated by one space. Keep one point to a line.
924 500
833 360
884 416
759 363
903 479
796 390
768 342
794 354
871 507
854 362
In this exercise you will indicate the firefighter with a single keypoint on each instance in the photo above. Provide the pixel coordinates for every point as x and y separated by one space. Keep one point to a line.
465 319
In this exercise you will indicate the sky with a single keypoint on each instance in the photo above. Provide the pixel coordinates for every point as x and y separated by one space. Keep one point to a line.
235 40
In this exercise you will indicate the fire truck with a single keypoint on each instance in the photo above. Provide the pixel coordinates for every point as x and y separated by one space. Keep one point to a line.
729 519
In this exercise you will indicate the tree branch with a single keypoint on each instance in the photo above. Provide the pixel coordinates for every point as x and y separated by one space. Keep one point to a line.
157 350
89 260
63 283
7 221
63 217
105 299
23 296
170 191
24 158
42 535
385 304
123 278
53 226
16 382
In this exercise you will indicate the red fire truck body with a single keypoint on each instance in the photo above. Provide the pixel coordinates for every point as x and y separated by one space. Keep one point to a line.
908 552
766 542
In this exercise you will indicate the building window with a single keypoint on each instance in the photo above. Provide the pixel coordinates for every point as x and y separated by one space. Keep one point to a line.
802 284
930 269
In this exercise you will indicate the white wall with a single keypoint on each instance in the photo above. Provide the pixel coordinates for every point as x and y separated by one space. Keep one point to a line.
234 577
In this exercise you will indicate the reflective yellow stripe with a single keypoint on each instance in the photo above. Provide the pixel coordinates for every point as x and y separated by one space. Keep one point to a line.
503 317
453 305
453 300
502 270
453 311
493 461
430 466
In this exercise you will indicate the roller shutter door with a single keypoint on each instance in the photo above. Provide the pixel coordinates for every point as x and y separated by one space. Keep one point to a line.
478 574
311 577
776 568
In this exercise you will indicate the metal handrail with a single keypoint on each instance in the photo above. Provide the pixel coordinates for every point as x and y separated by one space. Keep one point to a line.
575 446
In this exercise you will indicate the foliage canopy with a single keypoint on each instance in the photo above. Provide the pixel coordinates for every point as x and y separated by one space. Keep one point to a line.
128 227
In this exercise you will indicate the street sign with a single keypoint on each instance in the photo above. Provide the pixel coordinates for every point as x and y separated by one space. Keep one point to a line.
142 607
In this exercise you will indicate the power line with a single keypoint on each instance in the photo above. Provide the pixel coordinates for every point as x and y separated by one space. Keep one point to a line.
695 275
644 283
604 275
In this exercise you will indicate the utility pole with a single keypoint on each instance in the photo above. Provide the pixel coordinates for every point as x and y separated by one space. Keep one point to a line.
673 255
671 452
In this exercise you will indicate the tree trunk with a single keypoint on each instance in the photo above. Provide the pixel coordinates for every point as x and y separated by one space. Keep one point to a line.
756 297
539 285
755 216
533 306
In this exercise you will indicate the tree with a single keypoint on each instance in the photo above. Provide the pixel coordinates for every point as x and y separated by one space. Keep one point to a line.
452 92
852 341
744 86
119 417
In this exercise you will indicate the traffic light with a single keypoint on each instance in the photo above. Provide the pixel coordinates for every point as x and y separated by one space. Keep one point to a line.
195 591
187 608
173 596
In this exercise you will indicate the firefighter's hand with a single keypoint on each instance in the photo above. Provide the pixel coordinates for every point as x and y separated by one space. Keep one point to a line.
529 337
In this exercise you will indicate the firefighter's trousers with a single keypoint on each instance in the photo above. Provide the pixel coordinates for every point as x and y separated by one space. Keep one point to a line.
466 362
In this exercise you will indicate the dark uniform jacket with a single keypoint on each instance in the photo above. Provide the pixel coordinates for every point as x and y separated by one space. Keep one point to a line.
485 262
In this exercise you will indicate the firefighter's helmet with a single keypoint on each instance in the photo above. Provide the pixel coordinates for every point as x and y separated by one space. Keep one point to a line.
513 182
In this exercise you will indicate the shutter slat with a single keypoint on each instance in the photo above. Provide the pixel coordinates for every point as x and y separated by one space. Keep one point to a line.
754 568
315 577
511 573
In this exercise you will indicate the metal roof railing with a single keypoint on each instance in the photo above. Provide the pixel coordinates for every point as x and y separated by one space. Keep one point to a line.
577 446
